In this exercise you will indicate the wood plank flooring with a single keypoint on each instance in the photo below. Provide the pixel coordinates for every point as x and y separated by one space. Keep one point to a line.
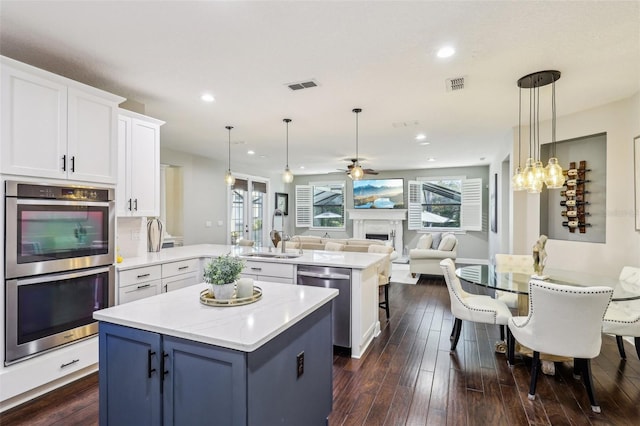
409 377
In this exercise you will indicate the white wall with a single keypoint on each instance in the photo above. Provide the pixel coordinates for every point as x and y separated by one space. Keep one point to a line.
620 120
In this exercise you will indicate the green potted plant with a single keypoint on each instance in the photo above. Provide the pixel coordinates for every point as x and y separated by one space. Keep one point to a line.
221 274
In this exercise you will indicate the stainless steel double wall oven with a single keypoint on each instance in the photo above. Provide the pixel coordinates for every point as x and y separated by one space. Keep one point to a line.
59 255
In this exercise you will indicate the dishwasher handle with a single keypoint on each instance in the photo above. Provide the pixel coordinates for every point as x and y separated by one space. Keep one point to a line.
330 276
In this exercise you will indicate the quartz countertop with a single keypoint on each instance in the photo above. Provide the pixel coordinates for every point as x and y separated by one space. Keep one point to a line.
245 328
342 259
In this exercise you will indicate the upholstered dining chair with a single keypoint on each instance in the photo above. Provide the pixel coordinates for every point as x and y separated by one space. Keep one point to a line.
333 246
246 243
516 263
384 273
470 307
623 318
565 321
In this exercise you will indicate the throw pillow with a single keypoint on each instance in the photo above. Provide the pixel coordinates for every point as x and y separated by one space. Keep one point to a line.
425 242
447 243
437 236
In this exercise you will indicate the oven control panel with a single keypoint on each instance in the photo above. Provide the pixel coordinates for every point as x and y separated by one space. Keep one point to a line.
54 192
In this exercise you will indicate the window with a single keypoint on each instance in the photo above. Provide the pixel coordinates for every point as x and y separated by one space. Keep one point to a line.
320 205
446 203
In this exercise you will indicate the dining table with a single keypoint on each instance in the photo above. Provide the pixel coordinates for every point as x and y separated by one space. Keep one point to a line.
517 283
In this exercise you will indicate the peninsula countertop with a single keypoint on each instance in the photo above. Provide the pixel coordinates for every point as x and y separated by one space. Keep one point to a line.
342 259
245 328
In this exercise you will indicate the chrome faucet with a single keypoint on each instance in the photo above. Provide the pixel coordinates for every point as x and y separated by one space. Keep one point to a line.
275 235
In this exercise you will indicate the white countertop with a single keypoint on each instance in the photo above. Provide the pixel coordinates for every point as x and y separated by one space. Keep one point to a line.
245 328
342 259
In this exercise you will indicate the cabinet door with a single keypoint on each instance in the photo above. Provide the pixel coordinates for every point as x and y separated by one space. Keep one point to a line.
138 291
204 385
91 145
34 125
123 188
180 281
145 168
129 376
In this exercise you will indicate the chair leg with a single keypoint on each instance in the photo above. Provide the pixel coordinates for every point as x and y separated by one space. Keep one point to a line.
502 332
511 348
620 343
535 367
588 383
637 343
386 299
457 326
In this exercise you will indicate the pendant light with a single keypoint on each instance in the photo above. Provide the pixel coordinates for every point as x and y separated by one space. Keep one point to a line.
535 174
228 177
287 176
356 172
517 181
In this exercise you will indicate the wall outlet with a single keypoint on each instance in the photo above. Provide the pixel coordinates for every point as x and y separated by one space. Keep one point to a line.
135 235
300 363
208 224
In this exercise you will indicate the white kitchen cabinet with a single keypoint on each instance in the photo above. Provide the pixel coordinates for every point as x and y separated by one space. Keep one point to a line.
138 283
181 274
138 191
267 271
53 127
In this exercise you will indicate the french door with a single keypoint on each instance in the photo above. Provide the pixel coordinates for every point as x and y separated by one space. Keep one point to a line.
248 214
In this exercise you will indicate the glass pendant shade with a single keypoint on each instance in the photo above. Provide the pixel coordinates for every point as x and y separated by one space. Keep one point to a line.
535 187
287 176
528 174
356 172
517 181
229 179
554 177
539 171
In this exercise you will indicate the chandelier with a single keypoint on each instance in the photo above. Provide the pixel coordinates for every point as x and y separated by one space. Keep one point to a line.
535 175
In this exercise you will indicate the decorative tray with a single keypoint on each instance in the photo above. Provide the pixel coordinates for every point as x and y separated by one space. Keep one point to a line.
209 300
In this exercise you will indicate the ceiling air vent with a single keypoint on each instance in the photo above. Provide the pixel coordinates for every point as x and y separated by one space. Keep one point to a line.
302 85
456 83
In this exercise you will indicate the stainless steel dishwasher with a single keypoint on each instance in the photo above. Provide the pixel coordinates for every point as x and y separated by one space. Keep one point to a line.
339 278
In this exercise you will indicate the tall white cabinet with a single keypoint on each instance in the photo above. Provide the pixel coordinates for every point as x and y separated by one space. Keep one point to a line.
54 127
138 191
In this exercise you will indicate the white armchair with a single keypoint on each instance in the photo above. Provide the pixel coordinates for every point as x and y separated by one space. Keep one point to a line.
563 320
623 318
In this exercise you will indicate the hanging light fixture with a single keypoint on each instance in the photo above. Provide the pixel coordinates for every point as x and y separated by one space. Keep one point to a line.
535 174
517 181
356 172
228 177
287 176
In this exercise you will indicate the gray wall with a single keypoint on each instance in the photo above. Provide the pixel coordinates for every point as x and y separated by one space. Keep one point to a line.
471 244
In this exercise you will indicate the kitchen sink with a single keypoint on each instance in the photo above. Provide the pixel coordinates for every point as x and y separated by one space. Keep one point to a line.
271 255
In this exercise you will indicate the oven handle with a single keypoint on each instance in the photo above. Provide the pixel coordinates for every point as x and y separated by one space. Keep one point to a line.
62 276
41 202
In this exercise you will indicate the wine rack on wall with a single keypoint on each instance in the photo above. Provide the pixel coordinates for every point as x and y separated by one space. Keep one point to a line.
576 198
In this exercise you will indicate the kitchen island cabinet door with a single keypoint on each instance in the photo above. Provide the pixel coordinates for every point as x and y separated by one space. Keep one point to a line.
129 376
204 384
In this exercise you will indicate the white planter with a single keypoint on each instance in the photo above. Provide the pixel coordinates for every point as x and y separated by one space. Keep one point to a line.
222 291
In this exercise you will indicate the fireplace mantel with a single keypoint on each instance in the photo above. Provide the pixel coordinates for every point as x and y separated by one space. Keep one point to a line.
379 221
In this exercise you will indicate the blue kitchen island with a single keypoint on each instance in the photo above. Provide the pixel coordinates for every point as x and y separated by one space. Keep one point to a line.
170 360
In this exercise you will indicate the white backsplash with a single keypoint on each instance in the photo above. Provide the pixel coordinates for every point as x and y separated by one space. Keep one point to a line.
131 236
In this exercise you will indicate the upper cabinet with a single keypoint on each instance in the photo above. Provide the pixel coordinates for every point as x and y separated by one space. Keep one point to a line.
53 127
138 190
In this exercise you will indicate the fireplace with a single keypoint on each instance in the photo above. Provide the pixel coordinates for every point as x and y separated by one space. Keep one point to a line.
379 224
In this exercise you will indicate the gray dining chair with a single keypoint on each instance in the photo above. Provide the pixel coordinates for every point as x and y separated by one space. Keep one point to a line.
565 321
623 318
470 307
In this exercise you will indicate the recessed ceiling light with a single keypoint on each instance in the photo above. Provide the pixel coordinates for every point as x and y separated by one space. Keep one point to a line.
431 159
421 137
263 156
424 143
446 52
251 152
302 167
207 97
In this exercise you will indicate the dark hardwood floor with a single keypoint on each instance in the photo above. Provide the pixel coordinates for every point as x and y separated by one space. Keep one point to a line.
409 376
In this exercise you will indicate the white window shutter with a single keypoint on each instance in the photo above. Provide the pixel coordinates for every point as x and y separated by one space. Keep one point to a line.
414 210
304 206
471 215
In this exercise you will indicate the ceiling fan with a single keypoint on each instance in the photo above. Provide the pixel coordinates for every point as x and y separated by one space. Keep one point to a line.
353 163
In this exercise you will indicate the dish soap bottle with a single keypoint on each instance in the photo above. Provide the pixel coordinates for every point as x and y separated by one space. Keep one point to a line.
119 258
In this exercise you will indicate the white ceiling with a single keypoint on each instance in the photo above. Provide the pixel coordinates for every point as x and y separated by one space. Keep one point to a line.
379 56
